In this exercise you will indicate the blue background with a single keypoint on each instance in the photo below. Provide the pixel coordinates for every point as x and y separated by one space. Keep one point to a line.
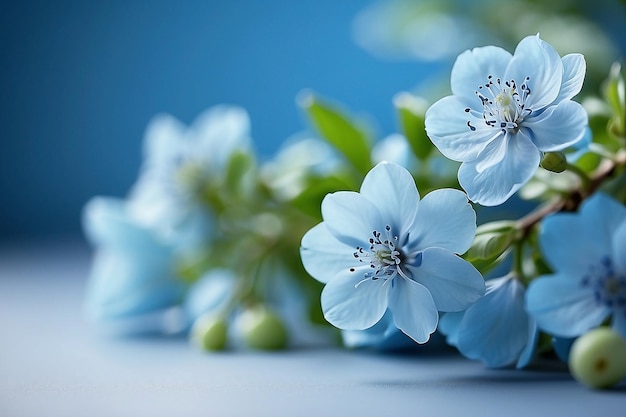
80 81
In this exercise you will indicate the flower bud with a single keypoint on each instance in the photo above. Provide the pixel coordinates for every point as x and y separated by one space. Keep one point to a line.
598 358
261 328
554 161
209 332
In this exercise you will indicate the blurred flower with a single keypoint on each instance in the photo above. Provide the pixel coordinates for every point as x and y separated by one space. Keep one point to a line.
180 164
212 294
586 252
394 148
404 260
496 329
132 272
504 112
426 30
288 172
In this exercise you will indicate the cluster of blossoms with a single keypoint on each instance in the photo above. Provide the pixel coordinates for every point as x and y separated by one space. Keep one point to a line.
208 239
392 263
168 258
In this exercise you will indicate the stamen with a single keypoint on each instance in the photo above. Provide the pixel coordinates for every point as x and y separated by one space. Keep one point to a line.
383 256
608 286
503 104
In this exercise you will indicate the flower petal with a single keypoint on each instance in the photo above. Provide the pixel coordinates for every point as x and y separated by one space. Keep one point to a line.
574 68
571 245
124 284
496 184
384 335
558 127
391 188
219 132
619 247
538 60
495 329
561 306
447 127
529 350
413 309
211 293
350 217
323 256
472 68
449 325
107 222
350 302
493 153
163 141
572 242
444 219
454 283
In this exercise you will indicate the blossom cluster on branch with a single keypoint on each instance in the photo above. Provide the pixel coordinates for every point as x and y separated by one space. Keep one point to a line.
214 242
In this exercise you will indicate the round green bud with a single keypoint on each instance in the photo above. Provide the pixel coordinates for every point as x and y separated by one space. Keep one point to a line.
598 358
554 161
261 328
209 332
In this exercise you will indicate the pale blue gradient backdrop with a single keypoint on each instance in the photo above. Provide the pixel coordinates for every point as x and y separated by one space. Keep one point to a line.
80 81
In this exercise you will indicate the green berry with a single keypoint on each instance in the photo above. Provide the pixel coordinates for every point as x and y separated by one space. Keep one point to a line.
598 358
554 161
209 332
261 328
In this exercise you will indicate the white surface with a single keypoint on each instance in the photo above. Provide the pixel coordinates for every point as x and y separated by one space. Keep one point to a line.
52 363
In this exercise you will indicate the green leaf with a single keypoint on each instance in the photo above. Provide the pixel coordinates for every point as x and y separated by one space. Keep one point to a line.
411 111
310 199
339 130
492 240
615 95
238 168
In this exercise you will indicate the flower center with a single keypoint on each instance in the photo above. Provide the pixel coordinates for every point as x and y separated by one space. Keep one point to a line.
609 286
504 104
383 256
189 179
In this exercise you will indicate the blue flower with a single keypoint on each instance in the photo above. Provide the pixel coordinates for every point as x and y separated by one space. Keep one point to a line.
180 163
382 249
587 252
133 272
496 329
505 111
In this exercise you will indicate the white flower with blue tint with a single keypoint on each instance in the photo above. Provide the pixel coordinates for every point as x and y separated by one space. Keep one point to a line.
587 252
382 249
133 272
505 112
496 329
180 163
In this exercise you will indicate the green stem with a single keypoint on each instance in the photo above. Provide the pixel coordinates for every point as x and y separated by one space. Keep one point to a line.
518 261
584 178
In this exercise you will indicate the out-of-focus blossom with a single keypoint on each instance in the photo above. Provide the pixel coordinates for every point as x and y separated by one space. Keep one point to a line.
586 252
424 30
180 164
133 271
